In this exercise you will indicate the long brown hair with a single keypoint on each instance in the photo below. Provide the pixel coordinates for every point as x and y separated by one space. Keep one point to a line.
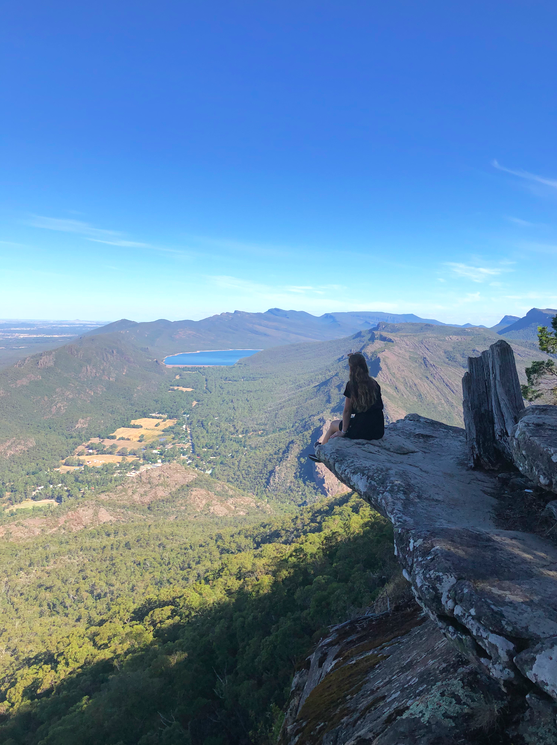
363 388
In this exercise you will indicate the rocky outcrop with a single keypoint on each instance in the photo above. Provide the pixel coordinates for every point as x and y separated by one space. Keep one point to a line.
498 427
389 680
326 482
534 445
493 592
487 588
492 404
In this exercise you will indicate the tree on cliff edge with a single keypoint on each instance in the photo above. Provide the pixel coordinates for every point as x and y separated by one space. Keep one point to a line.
542 369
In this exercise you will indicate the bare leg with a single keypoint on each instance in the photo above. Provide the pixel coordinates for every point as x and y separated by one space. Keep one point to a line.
335 427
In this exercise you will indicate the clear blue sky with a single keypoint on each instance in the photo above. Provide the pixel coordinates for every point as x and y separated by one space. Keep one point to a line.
179 159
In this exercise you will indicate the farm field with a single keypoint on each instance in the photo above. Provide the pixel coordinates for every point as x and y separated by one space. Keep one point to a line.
107 442
125 444
102 460
30 503
149 427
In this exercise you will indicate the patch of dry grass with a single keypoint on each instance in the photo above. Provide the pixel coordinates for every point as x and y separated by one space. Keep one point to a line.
150 429
101 460
32 503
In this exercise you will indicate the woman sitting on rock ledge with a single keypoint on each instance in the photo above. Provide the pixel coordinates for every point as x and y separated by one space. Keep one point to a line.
362 418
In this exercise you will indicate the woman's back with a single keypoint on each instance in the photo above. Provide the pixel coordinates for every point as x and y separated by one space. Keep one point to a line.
367 422
362 417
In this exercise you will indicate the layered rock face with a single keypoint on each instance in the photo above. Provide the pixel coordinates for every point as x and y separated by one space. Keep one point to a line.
492 592
387 680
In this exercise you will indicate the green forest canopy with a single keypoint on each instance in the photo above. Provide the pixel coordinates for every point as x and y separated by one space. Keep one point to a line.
206 655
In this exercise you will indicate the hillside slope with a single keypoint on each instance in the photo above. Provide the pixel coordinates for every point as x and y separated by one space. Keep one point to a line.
504 323
50 402
421 368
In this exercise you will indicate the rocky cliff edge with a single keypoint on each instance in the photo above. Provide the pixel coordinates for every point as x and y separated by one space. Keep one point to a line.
492 592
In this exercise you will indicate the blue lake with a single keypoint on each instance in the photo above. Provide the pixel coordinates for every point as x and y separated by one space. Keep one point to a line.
218 357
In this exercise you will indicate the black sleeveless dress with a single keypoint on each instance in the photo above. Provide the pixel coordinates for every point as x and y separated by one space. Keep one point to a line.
369 424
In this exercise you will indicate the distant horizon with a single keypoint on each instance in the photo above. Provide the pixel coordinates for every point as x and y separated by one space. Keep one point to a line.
286 310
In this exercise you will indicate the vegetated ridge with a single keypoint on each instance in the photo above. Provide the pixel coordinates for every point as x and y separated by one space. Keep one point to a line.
50 401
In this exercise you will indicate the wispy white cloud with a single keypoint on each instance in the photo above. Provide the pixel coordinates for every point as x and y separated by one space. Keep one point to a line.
65 225
471 297
248 286
91 233
543 248
319 290
303 288
122 243
236 246
546 298
322 298
526 175
475 273
523 223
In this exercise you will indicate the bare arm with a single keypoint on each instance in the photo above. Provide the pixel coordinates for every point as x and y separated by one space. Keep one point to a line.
346 414
345 419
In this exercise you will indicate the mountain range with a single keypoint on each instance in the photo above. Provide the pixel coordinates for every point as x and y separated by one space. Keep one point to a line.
249 330
19 339
278 327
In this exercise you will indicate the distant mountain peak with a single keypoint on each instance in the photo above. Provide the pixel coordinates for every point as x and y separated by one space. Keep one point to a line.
122 325
329 318
527 327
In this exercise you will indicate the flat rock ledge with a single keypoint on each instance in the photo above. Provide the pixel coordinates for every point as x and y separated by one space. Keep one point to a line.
493 592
